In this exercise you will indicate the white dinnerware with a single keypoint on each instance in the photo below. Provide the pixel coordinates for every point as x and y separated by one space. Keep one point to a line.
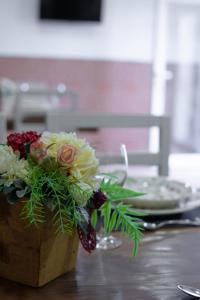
162 196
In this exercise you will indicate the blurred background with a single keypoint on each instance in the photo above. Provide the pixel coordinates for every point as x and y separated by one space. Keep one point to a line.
118 56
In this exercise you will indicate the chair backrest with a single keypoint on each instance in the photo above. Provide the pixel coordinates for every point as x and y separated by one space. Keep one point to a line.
33 101
7 97
2 128
59 121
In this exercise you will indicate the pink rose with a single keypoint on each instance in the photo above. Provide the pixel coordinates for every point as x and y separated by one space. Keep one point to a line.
66 154
38 150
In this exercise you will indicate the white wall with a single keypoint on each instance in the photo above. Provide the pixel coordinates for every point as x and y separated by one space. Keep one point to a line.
125 32
183 33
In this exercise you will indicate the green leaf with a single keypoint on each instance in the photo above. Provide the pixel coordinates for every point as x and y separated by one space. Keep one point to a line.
33 210
116 192
105 212
94 218
112 221
121 216
128 225
134 213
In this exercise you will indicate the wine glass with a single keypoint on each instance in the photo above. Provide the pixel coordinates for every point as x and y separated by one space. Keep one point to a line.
107 241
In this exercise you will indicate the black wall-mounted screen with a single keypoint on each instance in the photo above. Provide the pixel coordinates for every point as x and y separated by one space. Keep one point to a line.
72 10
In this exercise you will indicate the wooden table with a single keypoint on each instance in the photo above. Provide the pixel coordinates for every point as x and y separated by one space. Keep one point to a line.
166 258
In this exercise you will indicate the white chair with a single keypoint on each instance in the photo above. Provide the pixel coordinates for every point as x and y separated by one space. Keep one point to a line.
34 100
60 121
2 128
8 90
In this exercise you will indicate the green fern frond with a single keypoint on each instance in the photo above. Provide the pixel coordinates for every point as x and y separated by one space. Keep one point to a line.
61 221
130 226
33 210
116 192
120 216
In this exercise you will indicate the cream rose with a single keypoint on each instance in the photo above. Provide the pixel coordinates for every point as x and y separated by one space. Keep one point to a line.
82 160
66 154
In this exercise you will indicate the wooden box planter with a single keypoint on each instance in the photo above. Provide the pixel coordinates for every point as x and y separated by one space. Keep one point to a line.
33 255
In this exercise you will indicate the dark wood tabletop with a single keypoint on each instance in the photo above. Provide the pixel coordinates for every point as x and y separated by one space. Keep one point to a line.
166 258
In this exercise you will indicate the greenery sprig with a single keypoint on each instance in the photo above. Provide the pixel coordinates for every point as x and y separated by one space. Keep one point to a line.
117 215
51 189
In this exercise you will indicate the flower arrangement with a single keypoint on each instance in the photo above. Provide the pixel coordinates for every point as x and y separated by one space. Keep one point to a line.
57 171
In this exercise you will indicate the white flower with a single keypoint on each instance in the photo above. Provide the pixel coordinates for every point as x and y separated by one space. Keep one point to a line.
11 167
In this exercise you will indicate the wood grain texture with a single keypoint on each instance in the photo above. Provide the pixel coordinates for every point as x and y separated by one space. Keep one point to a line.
33 255
166 258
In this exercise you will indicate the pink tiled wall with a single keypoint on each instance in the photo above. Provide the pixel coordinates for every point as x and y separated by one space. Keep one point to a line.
121 87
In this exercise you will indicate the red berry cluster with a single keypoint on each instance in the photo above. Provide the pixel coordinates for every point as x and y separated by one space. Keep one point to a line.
87 238
20 141
88 235
98 199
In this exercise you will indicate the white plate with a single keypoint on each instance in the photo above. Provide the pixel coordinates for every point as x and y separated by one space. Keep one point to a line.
190 205
161 194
